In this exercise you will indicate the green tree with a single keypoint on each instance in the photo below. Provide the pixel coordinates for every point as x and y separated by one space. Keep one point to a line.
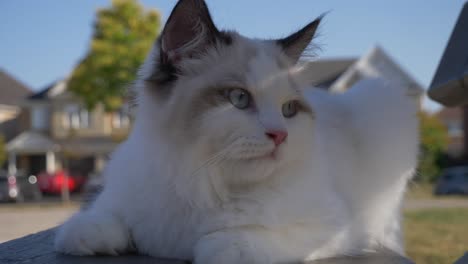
3 153
123 35
434 140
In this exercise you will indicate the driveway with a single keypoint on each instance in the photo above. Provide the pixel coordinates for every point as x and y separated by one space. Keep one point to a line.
20 220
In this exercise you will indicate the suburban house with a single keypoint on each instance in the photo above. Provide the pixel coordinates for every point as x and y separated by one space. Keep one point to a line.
12 119
338 75
452 118
62 134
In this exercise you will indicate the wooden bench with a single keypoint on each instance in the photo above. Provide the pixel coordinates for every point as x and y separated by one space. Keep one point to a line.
38 249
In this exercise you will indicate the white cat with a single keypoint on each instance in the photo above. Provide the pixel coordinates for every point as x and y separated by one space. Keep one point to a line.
233 160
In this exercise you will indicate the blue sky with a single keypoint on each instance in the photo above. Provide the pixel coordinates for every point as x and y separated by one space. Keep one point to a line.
41 41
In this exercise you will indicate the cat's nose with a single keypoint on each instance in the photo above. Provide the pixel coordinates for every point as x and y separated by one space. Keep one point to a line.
277 136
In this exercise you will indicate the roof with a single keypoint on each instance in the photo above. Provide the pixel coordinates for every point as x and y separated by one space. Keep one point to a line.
12 91
37 142
326 71
51 90
31 141
42 94
450 83
376 63
88 145
378 51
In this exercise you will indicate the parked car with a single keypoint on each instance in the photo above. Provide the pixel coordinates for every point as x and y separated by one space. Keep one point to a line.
19 187
52 183
453 181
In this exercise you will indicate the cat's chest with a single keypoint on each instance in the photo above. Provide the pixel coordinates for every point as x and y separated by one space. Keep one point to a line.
168 233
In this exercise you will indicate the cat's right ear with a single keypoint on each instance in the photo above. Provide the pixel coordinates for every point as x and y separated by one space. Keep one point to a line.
295 44
188 31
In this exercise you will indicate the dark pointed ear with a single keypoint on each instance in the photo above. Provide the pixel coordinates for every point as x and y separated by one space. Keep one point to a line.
188 30
295 44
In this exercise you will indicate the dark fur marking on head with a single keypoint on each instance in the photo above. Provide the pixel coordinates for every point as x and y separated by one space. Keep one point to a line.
166 73
179 30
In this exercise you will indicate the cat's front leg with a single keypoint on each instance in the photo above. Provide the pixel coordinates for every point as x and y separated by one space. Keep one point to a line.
92 232
242 245
229 247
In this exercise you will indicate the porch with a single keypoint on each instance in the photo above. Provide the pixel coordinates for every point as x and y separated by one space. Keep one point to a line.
34 152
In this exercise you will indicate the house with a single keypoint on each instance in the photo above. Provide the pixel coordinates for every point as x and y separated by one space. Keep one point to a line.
12 119
452 118
63 134
338 75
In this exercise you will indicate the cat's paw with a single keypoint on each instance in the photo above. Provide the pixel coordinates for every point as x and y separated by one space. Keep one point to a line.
88 233
228 248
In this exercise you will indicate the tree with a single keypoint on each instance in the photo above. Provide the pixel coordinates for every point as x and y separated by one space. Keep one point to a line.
434 140
123 35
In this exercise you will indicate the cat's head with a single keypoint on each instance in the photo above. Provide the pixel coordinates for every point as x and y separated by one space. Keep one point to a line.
230 100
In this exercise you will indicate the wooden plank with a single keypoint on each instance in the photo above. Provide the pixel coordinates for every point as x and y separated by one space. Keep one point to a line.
38 249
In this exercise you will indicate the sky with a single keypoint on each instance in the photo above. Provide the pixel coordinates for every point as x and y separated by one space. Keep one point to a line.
41 41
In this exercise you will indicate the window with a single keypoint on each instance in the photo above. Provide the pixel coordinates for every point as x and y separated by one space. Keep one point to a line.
454 128
120 119
40 117
76 117
448 177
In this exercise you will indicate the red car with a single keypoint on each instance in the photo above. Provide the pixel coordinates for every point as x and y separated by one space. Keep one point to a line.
53 183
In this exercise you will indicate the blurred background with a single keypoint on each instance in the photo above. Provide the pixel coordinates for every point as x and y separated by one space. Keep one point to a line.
65 67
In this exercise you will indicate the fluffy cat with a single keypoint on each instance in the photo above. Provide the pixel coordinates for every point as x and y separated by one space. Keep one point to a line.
234 159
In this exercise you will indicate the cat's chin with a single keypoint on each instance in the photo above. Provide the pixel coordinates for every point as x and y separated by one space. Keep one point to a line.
271 156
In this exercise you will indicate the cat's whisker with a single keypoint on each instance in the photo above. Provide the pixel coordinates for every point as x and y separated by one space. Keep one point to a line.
218 157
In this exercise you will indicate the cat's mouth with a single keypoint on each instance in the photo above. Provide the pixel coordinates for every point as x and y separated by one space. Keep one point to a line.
272 155
255 150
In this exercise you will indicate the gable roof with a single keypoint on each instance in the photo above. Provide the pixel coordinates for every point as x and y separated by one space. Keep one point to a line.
12 91
50 91
379 51
325 71
376 63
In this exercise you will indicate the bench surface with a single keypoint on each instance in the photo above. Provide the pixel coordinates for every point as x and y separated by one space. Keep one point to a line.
38 249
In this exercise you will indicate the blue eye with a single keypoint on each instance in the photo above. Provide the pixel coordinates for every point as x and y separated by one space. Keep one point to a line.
290 108
239 98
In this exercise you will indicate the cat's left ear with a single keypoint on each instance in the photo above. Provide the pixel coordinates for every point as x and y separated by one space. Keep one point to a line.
295 44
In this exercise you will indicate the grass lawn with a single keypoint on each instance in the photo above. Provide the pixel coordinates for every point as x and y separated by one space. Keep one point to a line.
425 191
436 235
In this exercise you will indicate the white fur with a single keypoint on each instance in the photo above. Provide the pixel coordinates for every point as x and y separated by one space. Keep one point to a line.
335 188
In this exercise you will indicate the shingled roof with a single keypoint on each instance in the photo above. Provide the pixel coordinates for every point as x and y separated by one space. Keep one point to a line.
12 91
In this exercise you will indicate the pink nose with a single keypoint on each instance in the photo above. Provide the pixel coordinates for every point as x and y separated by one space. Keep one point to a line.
277 136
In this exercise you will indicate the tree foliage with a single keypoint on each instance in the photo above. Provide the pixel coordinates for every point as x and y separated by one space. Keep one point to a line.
434 140
123 35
